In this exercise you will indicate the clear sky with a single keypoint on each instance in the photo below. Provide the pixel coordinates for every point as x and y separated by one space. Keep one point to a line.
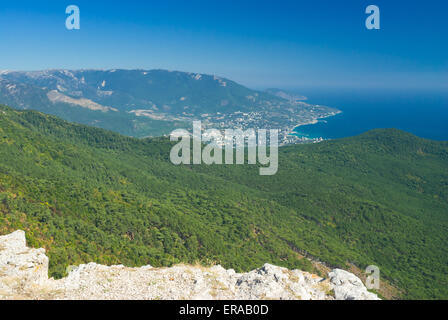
258 43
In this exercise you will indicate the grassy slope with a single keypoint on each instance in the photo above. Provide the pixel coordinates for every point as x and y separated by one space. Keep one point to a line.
91 195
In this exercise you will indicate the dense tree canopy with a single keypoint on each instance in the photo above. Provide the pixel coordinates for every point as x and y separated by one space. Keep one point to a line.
88 194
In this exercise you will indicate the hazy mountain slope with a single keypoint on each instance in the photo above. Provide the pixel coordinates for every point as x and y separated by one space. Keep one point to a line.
127 90
91 195
151 103
285 94
111 99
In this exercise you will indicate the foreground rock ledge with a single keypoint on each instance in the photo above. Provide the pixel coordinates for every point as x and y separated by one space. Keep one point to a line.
24 275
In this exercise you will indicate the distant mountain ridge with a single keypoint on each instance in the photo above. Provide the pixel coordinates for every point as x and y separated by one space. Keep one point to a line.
121 94
150 102
126 90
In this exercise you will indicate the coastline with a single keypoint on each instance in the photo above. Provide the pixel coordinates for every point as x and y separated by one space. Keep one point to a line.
293 132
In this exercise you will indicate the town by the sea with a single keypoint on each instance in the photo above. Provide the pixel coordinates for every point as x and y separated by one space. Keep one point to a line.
421 112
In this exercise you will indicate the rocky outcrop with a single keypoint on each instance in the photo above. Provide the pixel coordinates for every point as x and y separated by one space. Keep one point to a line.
347 286
24 275
22 270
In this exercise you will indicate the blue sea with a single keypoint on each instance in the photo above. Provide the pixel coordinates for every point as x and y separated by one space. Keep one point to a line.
421 112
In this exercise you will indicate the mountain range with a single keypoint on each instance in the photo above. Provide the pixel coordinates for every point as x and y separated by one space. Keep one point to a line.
143 103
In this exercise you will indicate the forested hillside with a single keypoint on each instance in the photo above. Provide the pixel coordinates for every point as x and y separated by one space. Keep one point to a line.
87 194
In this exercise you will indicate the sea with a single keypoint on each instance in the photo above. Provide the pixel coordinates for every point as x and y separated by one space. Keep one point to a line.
421 112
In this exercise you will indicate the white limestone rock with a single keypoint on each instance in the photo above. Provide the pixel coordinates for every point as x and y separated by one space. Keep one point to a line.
21 268
347 286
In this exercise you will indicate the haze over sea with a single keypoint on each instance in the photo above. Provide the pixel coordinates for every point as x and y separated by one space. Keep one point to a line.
421 112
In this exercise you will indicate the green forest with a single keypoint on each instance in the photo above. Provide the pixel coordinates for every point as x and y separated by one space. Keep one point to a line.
88 194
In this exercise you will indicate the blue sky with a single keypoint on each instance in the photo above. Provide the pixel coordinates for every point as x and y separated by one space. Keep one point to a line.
257 43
